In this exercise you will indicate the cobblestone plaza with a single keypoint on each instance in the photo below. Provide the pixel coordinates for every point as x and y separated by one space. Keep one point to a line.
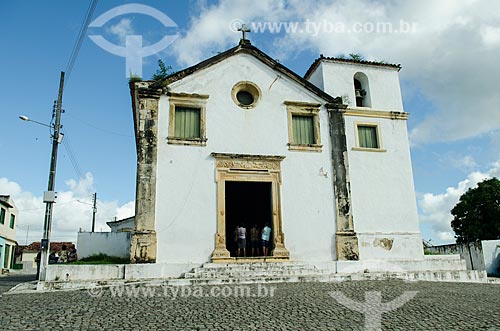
285 306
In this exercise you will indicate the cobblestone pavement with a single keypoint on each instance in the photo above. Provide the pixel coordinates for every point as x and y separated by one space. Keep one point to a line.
7 282
293 306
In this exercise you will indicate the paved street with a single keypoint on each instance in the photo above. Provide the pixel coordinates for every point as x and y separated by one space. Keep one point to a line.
7 282
299 306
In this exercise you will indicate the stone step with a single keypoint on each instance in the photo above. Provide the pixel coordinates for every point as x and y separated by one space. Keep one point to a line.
250 265
254 273
249 268
256 269
469 276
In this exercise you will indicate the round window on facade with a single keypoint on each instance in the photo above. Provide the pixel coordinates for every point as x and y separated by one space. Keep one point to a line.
245 94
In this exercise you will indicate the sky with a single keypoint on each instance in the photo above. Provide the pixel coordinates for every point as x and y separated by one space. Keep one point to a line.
448 50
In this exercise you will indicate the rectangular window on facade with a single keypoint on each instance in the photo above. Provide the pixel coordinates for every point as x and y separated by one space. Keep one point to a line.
12 221
303 126
187 123
2 216
367 136
303 129
187 119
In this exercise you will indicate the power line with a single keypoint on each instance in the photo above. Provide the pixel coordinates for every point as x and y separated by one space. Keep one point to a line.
72 157
60 204
100 129
81 36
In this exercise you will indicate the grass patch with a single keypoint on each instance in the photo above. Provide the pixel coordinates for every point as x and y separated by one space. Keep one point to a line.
428 252
102 259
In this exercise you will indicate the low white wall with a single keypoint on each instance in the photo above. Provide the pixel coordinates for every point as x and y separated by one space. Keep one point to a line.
428 263
103 272
471 253
109 243
491 256
69 272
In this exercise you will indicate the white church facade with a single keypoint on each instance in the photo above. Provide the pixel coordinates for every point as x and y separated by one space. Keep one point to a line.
323 159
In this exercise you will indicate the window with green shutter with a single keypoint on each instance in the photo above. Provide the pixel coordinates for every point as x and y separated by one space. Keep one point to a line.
187 122
12 221
187 119
303 129
2 216
303 126
367 136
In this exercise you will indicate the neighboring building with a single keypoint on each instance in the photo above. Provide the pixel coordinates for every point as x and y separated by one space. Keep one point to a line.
26 254
8 221
124 225
323 159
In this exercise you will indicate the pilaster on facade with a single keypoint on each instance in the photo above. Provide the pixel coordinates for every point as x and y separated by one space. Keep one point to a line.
346 239
145 98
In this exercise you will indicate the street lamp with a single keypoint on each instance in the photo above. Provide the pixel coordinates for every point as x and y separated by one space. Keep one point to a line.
49 195
27 119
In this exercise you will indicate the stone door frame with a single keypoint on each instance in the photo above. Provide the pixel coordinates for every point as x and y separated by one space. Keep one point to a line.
248 168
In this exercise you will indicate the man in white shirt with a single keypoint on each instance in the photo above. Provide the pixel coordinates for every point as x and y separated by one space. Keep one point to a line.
266 235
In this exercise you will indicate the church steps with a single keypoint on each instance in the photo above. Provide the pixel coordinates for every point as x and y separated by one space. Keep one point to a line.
434 276
469 276
240 270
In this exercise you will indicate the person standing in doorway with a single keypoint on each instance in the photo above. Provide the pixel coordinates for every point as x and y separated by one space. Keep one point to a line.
254 240
242 240
266 235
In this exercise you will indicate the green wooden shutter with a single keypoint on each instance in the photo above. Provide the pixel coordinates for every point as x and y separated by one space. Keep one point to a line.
368 136
12 221
2 216
187 122
6 256
303 129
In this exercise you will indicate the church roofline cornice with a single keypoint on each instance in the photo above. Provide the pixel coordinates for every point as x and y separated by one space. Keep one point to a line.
322 58
247 156
247 48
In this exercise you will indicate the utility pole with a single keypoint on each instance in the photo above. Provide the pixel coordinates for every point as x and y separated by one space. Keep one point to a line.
27 232
94 211
49 196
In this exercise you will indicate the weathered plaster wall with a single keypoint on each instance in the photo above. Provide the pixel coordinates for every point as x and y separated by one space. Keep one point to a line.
382 191
383 194
186 190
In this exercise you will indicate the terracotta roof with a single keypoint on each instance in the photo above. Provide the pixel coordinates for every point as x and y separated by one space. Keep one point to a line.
35 246
339 59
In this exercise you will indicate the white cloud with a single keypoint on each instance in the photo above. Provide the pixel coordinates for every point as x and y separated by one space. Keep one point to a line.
214 29
122 29
451 56
458 161
490 35
435 208
72 211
